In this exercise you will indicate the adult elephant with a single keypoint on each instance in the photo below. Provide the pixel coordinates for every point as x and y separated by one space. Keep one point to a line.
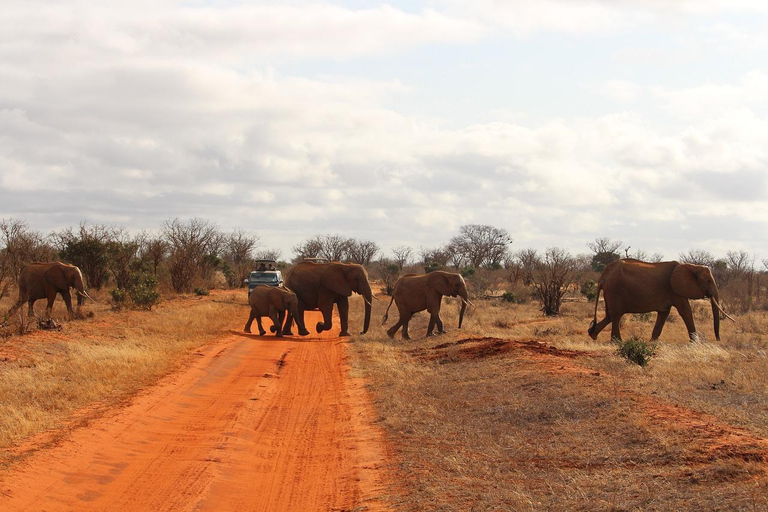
272 301
321 285
44 281
634 286
414 293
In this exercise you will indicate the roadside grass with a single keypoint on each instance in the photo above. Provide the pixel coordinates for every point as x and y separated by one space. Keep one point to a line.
46 377
488 424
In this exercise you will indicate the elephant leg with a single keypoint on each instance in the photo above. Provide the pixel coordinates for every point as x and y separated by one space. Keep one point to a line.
684 308
343 305
31 308
247 327
277 321
326 308
595 329
661 317
287 331
262 332
405 321
49 306
615 331
67 296
392 330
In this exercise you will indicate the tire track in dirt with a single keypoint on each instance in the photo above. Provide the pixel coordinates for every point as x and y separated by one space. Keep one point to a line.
254 423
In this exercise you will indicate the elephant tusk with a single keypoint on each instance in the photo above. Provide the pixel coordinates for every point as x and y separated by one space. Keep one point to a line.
467 301
723 311
367 301
85 294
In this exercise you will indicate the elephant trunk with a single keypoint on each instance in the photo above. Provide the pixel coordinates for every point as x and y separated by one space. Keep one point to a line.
368 296
464 301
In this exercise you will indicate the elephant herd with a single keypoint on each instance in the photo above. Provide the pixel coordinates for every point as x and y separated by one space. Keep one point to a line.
628 286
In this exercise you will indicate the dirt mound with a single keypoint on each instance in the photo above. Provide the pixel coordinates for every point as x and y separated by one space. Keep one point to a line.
481 347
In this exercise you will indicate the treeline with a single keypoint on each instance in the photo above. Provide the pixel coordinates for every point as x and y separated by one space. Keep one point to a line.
186 255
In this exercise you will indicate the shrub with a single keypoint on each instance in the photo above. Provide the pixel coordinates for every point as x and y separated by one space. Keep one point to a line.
143 290
118 298
201 291
636 351
508 297
589 289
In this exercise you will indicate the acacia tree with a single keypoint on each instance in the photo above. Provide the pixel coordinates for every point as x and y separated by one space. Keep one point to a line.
605 251
480 245
192 245
550 274
122 252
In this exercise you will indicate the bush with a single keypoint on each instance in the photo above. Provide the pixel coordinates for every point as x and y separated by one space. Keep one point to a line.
508 297
143 290
201 291
636 351
118 298
589 290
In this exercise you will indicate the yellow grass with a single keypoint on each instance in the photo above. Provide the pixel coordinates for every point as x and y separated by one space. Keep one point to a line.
46 376
507 432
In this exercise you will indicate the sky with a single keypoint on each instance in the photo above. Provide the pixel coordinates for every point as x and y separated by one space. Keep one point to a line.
558 120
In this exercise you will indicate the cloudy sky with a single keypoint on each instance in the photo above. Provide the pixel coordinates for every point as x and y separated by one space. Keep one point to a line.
558 120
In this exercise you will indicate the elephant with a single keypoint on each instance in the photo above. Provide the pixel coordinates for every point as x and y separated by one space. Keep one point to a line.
321 285
414 293
272 301
634 286
44 281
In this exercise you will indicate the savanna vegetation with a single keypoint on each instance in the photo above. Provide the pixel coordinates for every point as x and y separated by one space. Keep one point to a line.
518 410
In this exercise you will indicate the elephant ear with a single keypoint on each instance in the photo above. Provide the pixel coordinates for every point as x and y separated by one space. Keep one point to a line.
439 281
55 275
685 282
335 280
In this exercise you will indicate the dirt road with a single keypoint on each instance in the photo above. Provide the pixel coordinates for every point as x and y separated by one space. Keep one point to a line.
252 423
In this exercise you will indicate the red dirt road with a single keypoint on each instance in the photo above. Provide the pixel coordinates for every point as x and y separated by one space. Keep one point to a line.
252 423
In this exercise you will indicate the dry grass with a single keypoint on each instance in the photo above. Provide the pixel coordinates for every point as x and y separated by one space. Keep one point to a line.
554 420
47 376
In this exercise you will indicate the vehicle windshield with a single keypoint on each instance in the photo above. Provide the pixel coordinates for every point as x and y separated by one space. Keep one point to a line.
264 277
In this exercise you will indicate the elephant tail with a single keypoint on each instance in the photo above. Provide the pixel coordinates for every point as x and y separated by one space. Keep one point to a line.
386 313
597 301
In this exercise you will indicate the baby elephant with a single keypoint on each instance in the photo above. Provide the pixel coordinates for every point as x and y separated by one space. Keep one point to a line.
272 301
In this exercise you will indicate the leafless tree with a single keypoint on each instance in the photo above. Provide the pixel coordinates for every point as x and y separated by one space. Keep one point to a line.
388 271
191 246
697 257
310 248
431 258
238 252
481 245
335 247
122 251
153 251
550 274
402 255
362 251
269 254
19 246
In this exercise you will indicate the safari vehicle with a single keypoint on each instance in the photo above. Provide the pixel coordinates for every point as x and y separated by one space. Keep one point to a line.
266 273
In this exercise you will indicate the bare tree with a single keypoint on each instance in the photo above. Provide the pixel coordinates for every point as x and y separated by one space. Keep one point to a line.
153 251
310 248
605 251
335 247
238 252
697 257
481 245
362 251
433 259
550 274
388 271
402 255
192 247
269 254
19 246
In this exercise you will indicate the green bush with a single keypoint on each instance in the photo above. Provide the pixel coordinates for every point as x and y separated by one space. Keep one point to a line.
201 291
636 351
118 298
589 289
143 290
508 297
